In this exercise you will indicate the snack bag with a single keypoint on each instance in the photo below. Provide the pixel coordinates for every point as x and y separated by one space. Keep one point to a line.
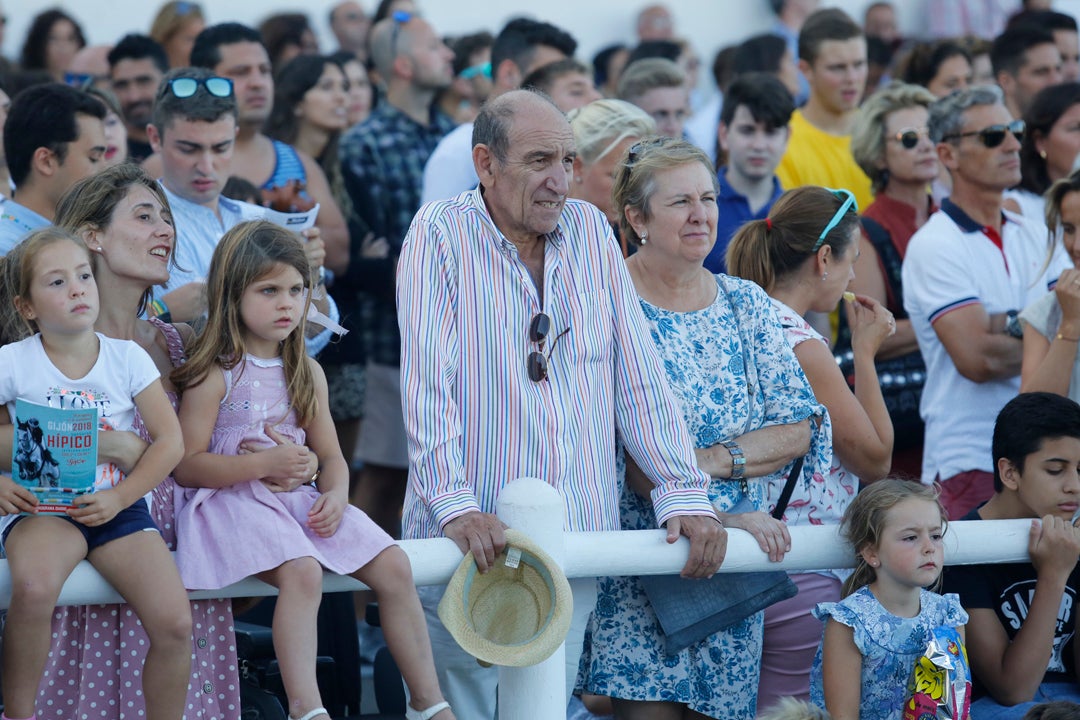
940 685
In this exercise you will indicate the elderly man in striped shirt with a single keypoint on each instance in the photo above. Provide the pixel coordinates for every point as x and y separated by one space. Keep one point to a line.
524 353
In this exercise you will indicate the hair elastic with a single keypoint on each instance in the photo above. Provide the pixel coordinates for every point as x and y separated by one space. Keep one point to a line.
768 223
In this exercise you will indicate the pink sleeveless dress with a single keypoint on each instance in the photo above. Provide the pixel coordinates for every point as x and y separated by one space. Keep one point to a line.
227 534
95 663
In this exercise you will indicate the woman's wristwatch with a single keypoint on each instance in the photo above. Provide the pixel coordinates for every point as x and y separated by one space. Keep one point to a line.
738 459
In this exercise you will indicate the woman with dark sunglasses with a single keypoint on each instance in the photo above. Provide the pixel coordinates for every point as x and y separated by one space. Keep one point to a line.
891 143
803 255
750 411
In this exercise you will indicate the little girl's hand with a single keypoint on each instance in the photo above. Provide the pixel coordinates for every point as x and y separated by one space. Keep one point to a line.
14 498
325 515
96 508
286 460
771 534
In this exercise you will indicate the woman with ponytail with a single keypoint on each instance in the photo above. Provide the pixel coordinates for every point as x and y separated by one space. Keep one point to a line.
803 255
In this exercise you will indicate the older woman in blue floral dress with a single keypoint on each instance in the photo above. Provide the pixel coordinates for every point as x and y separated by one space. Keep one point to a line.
743 395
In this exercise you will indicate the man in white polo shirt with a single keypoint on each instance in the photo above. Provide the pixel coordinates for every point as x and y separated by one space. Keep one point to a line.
966 274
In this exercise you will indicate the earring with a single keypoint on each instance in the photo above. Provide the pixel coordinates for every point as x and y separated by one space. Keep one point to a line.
824 274
1042 154
577 178
644 237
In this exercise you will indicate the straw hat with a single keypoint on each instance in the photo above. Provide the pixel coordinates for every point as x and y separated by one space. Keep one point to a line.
515 614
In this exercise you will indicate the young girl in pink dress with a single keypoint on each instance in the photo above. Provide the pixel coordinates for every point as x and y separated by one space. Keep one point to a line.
248 375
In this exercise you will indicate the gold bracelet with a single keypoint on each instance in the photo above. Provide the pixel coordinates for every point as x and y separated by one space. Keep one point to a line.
1059 336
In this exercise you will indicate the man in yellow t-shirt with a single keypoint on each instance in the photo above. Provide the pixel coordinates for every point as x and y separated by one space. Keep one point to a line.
832 56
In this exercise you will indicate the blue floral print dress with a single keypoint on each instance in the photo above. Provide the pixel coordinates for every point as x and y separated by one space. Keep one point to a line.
732 371
889 646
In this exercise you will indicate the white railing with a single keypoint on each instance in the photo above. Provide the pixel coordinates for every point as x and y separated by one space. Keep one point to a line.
535 508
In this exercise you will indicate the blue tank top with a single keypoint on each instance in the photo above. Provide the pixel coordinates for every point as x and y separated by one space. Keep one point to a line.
287 166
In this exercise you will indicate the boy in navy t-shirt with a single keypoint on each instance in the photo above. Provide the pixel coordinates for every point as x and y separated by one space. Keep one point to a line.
1020 635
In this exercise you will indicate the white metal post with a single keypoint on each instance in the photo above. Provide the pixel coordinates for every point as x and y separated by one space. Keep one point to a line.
537 692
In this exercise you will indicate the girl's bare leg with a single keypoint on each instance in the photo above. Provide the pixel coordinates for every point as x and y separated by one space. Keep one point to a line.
295 627
42 551
141 569
402 618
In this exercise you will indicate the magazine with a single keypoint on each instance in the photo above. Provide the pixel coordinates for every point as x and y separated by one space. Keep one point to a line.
296 221
55 453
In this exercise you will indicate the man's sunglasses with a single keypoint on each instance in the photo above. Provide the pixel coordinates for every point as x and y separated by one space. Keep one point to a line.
994 135
539 329
186 87
400 17
473 71
909 137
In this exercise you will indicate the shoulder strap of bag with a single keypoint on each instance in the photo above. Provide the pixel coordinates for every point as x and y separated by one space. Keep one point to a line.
789 487
796 469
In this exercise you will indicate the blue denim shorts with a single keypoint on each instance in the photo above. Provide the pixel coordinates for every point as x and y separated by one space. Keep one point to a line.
128 521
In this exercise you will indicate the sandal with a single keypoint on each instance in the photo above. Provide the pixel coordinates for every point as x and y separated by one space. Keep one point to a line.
412 714
312 714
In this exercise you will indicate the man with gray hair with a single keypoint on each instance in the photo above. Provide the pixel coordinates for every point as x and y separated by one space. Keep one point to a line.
967 273
524 351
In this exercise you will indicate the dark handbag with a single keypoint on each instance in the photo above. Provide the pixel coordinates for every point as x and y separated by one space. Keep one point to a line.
690 610
901 378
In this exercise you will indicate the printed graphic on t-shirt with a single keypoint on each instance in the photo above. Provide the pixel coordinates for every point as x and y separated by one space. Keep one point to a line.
1015 601
82 399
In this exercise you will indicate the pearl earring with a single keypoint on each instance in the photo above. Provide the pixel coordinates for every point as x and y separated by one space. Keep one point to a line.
577 178
644 237
824 274
1042 154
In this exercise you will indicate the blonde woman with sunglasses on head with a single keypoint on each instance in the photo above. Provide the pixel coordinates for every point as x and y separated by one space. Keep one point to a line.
750 412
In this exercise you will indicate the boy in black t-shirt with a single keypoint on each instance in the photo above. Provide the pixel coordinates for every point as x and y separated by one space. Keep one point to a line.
1020 635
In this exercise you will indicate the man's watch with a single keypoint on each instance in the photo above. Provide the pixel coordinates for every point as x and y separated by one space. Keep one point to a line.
1013 327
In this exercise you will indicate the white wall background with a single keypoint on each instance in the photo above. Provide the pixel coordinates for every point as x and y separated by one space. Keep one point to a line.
708 24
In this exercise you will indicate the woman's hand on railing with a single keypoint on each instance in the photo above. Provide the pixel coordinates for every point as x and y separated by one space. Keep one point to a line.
772 535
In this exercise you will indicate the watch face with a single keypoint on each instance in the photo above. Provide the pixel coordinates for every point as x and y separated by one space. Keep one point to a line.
1013 326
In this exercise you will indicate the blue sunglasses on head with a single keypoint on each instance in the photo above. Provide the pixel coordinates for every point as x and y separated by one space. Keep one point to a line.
185 87
849 202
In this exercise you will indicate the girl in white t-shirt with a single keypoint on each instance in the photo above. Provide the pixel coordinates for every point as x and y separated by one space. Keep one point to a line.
48 285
